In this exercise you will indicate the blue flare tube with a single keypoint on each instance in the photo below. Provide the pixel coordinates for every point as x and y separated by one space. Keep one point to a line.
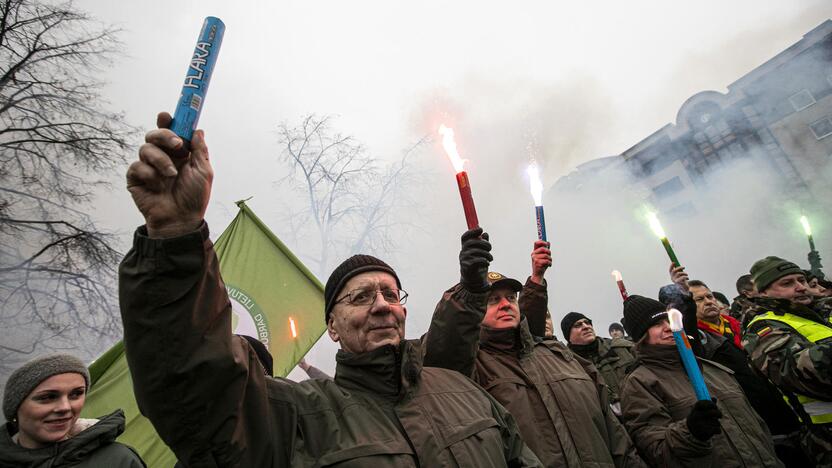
688 359
541 223
197 78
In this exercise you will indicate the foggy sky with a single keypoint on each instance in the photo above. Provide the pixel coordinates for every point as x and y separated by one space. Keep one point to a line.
586 80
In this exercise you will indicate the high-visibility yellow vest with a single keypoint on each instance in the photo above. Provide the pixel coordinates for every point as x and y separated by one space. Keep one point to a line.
820 411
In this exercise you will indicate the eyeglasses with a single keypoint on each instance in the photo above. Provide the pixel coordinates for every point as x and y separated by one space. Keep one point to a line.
496 299
360 297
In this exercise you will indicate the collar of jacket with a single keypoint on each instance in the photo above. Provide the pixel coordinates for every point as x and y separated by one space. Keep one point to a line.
588 350
782 306
386 371
508 340
70 451
665 356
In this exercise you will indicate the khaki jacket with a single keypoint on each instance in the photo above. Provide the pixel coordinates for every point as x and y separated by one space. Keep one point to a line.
656 398
557 398
211 403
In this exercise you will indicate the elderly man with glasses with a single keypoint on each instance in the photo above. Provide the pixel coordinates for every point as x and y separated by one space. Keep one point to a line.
558 399
200 388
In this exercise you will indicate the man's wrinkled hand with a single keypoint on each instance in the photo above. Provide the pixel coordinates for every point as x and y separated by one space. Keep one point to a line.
541 260
170 185
679 277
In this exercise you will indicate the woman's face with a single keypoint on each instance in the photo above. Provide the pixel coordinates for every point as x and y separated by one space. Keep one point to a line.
660 334
49 412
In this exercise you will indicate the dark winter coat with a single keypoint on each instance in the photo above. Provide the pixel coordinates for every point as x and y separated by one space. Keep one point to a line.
200 389
611 357
557 398
94 447
656 398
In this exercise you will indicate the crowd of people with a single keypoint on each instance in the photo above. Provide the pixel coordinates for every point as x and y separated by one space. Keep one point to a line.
489 385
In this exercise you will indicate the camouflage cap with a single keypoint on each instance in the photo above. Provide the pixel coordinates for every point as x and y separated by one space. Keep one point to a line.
770 269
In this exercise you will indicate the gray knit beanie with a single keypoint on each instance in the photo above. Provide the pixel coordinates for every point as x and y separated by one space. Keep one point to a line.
25 378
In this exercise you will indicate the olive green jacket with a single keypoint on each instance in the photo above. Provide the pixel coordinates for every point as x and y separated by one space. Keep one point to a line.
211 403
93 447
611 357
656 398
557 398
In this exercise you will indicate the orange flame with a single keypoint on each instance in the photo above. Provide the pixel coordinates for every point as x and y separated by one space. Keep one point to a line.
292 327
449 144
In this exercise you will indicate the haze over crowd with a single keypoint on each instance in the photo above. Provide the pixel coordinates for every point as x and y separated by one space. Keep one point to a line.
581 81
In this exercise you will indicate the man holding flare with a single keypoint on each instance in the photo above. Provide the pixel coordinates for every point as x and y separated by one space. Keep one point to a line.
558 399
198 387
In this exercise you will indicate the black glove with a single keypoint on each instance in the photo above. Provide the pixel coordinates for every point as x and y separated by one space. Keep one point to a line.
703 420
474 259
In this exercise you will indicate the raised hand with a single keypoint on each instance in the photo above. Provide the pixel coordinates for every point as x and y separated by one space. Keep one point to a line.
474 259
679 277
541 260
171 185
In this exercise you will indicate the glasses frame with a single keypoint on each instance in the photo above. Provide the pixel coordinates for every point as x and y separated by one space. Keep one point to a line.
402 297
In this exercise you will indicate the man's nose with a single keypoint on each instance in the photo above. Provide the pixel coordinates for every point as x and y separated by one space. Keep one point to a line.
379 304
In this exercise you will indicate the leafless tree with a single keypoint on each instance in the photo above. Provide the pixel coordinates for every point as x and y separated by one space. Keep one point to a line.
351 202
58 143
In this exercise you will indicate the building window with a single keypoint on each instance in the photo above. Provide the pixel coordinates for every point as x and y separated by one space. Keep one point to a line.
667 188
802 100
685 210
821 128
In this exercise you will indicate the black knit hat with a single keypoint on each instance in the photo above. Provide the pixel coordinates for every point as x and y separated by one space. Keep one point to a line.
641 313
569 320
263 354
615 326
347 269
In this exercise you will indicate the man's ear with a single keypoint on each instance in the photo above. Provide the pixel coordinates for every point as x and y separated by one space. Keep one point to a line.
330 329
404 309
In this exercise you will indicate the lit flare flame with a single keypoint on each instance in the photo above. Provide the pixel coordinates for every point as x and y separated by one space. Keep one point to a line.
674 317
655 225
449 144
805 222
617 275
292 327
535 184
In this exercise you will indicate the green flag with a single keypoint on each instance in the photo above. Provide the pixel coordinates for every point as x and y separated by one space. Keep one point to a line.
274 298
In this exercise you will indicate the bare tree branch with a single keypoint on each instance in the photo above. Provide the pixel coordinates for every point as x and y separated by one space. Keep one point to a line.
350 196
58 143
